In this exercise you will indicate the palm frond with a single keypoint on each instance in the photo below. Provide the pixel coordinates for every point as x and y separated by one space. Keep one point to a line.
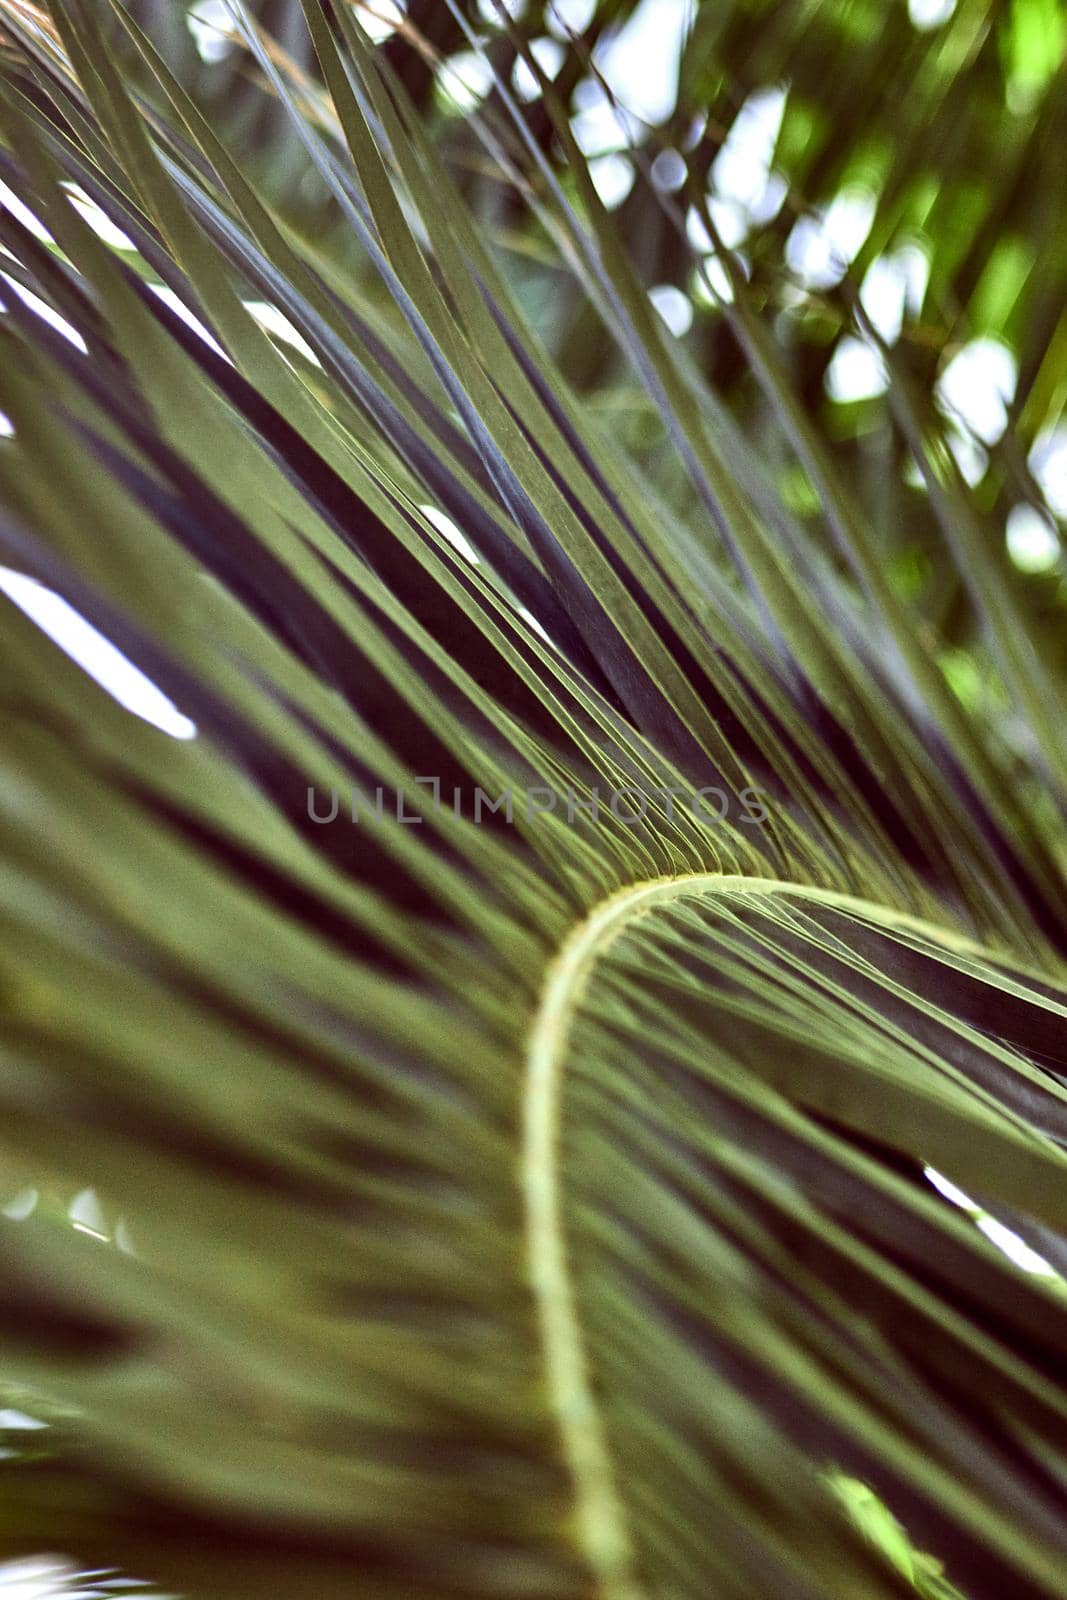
552 1008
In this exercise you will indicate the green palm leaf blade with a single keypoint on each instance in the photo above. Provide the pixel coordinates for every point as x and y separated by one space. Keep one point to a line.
533 1063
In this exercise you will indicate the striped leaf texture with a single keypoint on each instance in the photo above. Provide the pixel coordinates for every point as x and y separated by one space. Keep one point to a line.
534 1006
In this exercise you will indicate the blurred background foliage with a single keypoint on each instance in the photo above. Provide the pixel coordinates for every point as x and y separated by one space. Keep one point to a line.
864 160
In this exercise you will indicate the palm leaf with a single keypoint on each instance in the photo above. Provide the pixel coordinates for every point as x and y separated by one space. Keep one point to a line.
553 1012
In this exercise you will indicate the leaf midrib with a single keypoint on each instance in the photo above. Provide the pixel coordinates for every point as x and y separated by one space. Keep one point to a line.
601 1521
